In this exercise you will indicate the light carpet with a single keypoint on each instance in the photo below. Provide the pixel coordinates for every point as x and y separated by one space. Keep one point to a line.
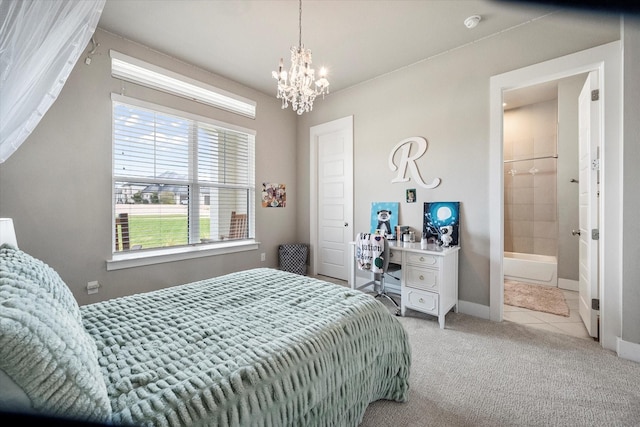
476 372
535 297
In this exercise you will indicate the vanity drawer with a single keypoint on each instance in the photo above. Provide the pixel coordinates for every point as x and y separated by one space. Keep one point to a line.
395 256
422 278
422 260
426 302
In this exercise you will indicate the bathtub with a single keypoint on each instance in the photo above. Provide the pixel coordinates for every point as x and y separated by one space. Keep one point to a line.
531 268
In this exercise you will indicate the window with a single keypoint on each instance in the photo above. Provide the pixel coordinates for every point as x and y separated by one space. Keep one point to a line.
179 179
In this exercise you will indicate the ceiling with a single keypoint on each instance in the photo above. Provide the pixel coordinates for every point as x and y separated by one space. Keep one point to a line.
357 40
542 92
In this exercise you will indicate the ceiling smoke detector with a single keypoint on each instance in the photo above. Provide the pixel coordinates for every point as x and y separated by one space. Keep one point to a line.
472 21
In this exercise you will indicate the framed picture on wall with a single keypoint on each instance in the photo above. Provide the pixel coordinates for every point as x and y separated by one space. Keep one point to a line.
274 195
441 223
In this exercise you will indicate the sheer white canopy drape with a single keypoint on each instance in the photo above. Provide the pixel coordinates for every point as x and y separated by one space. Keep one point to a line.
40 42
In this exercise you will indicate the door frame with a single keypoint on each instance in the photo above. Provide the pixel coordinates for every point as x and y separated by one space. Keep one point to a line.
607 59
332 126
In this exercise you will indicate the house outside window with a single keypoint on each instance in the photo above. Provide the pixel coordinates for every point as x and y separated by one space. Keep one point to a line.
179 179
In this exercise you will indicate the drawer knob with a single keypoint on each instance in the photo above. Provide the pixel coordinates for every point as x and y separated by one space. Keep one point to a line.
421 277
421 258
421 300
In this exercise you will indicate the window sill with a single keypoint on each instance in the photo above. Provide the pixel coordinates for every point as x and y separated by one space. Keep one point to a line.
159 256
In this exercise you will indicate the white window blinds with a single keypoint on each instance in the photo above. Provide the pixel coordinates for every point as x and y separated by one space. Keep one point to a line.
143 73
179 179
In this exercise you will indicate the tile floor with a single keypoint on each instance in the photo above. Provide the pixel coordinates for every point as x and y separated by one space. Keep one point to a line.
571 325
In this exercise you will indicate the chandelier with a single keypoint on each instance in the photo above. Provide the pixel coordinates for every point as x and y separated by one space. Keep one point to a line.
299 87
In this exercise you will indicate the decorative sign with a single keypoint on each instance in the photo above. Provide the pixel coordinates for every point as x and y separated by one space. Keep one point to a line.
409 162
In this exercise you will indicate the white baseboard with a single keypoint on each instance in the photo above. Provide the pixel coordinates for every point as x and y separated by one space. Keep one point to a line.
473 309
628 350
569 285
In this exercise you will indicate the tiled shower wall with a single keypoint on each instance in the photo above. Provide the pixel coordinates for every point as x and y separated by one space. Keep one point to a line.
530 196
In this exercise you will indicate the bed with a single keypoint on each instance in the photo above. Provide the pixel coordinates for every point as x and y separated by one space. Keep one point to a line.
259 347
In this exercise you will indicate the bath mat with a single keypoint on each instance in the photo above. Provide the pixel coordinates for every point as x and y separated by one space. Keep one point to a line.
535 297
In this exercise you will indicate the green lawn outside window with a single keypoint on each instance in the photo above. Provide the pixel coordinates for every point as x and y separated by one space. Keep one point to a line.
161 231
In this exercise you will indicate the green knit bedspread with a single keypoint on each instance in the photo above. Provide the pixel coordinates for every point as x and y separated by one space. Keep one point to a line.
261 347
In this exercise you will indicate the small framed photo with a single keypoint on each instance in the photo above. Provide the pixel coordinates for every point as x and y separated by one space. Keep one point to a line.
411 195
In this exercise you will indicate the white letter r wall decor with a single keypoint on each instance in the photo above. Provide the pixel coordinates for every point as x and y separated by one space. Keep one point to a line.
410 162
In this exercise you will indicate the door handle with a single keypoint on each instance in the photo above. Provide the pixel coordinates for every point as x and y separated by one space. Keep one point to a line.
575 232
346 224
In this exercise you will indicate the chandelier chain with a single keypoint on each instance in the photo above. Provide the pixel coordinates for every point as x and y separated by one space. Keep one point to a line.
299 87
300 24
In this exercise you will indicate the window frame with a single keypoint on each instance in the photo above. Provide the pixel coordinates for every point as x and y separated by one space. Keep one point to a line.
120 260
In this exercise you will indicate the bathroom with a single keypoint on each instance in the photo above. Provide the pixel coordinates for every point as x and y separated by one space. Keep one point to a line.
541 183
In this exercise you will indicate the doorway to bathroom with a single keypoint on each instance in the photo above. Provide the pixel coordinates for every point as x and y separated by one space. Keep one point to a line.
606 60
541 197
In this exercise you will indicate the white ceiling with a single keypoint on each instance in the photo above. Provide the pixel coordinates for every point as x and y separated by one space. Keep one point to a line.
357 40
530 95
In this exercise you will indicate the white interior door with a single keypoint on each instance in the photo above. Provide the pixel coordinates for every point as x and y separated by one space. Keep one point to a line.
589 142
332 192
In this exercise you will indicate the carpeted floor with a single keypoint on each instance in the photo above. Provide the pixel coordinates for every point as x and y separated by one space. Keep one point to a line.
482 373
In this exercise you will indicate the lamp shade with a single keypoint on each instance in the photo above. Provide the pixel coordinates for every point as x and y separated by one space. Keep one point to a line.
7 232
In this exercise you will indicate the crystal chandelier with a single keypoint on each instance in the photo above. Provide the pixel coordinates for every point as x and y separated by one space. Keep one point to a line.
299 87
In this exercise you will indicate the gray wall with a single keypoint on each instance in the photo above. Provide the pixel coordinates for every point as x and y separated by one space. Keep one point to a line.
630 233
446 100
57 185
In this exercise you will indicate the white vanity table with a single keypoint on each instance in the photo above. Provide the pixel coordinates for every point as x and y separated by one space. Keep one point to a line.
429 281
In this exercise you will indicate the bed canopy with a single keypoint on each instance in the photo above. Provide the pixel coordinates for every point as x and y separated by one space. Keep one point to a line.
40 43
